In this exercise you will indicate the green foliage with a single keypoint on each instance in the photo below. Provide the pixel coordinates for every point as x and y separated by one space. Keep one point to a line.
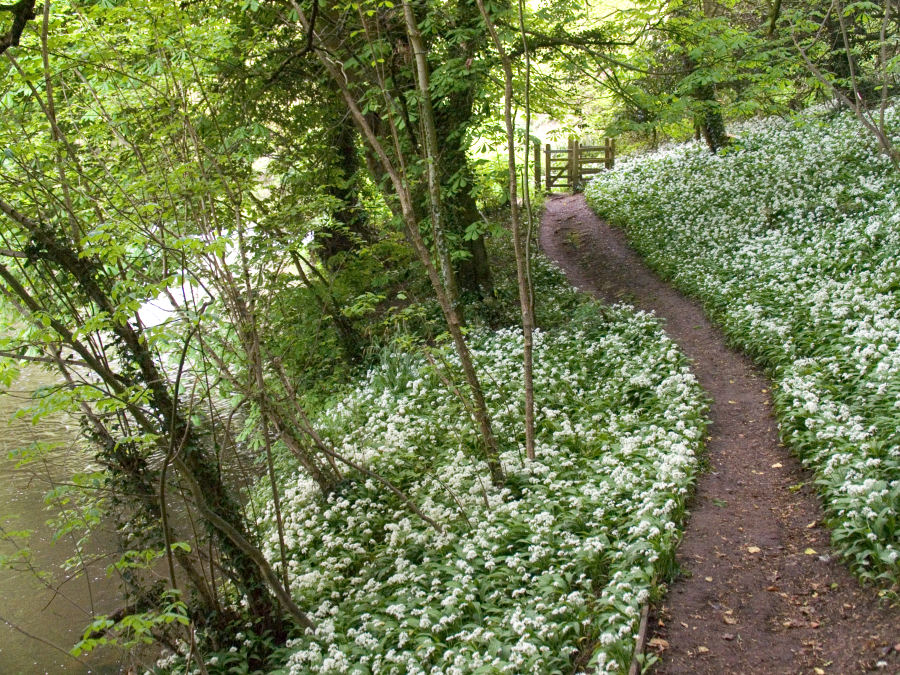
133 629
188 193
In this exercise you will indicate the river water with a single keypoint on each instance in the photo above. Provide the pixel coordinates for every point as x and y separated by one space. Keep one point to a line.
39 624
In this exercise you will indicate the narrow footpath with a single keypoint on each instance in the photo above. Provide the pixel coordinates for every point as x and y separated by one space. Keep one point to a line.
761 589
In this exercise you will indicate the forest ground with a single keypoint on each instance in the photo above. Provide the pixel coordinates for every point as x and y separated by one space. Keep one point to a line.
761 590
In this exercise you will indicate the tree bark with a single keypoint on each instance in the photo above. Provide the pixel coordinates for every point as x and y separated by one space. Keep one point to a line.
23 12
214 500
711 122
353 222
401 199
523 271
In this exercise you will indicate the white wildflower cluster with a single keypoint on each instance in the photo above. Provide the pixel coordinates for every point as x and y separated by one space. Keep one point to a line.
791 239
525 574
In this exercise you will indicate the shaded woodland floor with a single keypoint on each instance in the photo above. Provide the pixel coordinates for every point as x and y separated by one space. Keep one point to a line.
761 590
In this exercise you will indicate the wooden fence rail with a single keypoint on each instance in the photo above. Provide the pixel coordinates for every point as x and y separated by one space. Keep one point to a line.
569 167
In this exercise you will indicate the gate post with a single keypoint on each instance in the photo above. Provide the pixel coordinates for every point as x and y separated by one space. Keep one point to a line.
576 165
547 165
537 166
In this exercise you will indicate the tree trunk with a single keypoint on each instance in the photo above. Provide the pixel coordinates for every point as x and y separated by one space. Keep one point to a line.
401 200
352 221
222 512
708 120
452 118
711 122
523 270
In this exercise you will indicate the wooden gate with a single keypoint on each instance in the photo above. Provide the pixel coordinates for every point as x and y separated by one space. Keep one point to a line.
572 167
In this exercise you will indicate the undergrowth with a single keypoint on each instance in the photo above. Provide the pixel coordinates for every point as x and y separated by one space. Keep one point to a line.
790 237
520 578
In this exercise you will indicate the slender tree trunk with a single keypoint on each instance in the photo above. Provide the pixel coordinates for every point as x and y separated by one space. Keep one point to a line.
451 294
221 511
432 153
519 245
401 198
774 15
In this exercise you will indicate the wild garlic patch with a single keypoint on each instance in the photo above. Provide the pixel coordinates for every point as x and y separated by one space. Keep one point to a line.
562 556
791 239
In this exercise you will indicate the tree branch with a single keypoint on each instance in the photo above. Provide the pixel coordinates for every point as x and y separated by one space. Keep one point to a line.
306 49
23 12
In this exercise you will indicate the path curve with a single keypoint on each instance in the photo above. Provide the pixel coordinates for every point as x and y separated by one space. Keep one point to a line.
753 597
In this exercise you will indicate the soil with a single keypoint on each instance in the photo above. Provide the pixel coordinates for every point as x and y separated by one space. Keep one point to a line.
760 590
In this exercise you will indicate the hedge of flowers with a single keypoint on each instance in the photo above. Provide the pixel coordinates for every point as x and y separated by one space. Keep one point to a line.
543 574
791 238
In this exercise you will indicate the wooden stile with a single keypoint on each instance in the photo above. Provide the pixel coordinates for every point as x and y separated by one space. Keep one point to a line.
571 166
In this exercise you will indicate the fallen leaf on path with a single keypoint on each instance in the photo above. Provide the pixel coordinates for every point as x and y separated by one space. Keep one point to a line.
776 465
819 671
810 551
753 549
708 578
659 643
703 650
730 620
811 525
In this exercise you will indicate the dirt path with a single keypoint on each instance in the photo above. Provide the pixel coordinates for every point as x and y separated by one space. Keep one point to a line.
754 597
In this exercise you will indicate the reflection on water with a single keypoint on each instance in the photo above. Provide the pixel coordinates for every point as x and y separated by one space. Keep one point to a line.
34 617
